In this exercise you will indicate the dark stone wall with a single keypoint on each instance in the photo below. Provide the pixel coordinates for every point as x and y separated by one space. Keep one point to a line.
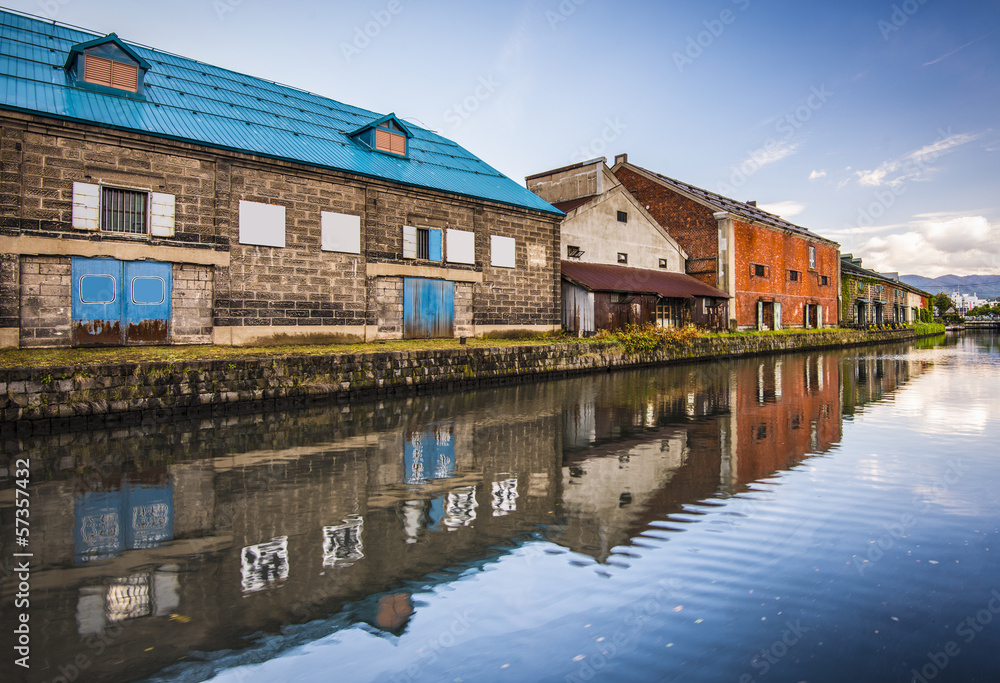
59 399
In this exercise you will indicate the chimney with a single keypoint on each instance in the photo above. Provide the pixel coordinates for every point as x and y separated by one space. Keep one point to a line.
621 159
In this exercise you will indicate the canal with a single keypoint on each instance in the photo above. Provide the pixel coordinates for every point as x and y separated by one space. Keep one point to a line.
812 517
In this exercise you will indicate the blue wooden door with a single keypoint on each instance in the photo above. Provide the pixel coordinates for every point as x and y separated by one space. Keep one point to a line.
97 301
117 302
147 302
428 308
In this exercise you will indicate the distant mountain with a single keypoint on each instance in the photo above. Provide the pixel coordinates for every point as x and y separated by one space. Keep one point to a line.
983 286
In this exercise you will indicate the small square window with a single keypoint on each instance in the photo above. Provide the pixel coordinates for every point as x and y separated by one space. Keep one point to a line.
573 252
123 211
759 270
793 275
622 217
663 263
622 258
824 280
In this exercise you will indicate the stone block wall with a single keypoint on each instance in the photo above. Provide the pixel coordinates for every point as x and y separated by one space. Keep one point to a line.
191 304
386 304
57 399
269 292
46 306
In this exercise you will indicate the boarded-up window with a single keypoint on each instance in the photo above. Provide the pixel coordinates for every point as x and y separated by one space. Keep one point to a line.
262 224
340 232
422 243
387 141
109 73
502 251
461 246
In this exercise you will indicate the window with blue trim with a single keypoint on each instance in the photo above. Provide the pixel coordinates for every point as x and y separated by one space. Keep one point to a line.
422 243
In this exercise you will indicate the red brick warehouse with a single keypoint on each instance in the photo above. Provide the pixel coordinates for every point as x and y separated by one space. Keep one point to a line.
777 274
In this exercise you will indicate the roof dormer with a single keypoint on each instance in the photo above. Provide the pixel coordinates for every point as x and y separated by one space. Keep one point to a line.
107 65
387 134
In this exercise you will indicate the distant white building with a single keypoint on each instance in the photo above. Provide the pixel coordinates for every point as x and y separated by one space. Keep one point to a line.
966 302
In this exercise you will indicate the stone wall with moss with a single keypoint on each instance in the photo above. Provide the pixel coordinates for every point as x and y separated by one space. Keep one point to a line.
60 399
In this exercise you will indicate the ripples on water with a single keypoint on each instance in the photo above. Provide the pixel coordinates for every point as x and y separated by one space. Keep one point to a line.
814 517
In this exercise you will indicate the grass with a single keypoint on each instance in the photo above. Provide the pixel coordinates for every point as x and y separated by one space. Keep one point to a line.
40 358
36 358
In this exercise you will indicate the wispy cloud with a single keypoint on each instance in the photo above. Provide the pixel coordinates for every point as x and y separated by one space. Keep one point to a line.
958 49
816 175
770 153
914 165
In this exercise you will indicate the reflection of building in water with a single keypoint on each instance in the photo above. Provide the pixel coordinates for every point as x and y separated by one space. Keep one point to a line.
123 513
342 544
726 425
264 565
275 519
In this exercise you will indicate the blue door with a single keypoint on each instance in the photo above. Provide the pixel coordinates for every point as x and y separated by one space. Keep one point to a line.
147 302
117 302
97 301
428 308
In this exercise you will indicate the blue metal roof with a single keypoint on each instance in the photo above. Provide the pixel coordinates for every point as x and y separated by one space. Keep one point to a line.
195 102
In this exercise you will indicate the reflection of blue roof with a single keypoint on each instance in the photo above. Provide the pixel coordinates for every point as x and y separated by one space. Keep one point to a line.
194 102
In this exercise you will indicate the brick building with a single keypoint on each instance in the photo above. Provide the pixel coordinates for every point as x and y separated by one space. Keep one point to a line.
146 197
871 298
619 266
776 274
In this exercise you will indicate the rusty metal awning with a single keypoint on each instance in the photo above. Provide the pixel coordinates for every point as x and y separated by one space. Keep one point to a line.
598 277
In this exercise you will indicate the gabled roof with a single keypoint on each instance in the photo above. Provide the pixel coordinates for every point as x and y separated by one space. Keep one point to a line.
110 38
195 102
717 202
598 277
378 122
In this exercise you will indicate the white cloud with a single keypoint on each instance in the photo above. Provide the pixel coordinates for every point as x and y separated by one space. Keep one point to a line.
960 246
914 165
772 151
785 209
815 175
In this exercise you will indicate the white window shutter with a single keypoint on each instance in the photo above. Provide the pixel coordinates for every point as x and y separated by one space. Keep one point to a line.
819 317
161 215
409 241
86 206
461 246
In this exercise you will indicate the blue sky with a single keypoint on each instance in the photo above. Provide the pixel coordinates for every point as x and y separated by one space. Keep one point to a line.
876 124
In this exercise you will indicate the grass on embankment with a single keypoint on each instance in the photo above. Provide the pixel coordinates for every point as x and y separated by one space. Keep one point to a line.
19 358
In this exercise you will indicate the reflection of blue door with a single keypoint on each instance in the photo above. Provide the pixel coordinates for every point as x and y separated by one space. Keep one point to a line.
428 308
117 302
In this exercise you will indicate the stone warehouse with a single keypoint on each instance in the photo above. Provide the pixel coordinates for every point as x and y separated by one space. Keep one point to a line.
775 273
149 198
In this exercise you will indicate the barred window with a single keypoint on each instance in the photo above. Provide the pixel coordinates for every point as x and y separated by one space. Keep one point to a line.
423 243
123 211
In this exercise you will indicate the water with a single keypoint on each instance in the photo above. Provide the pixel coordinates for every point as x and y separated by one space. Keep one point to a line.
813 517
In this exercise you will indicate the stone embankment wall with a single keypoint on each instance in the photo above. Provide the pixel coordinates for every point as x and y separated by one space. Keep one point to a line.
60 399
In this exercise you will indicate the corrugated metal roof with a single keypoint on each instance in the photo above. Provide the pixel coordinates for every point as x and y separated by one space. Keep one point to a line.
191 101
744 209
606 278
571 204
